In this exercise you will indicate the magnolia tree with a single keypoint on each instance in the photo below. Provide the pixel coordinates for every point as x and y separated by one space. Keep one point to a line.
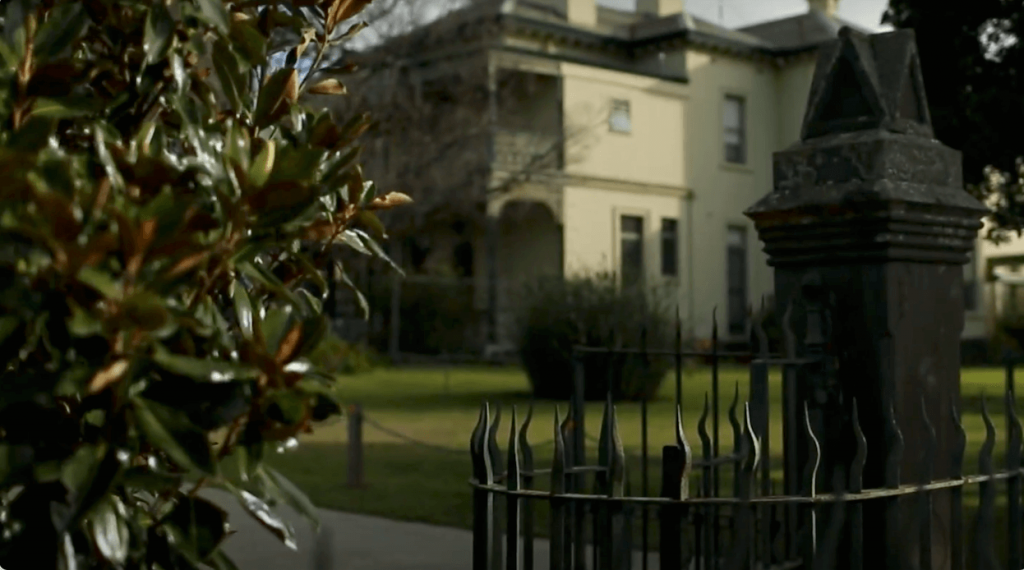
167 207
1003 193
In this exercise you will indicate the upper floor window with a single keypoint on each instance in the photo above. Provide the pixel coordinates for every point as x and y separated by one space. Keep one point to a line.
618 118
734 129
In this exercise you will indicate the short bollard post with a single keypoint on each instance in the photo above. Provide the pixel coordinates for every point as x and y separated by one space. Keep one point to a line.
355 446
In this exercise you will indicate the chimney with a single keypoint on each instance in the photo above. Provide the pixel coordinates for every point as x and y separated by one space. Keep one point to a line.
826 7
581 12
660 8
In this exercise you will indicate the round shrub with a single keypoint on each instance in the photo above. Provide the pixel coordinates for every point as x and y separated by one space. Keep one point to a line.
340 357
593 311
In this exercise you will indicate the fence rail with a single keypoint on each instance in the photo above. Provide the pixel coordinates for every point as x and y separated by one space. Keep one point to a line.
592 513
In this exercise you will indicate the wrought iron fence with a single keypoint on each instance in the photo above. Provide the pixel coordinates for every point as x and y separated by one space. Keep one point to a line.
720 510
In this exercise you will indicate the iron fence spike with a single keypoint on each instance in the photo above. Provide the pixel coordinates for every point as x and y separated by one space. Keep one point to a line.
686 452
814 451
525 448
492 441
753 441
482 467
733 420
558 462
1013 484
985 520
702 428
513 475
895 456
861 456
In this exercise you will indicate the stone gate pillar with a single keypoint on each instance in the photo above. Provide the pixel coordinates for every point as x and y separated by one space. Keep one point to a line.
869 217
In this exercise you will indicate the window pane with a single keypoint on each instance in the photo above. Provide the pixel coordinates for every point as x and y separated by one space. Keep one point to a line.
734 130
733 115
669 247
632 250
619 119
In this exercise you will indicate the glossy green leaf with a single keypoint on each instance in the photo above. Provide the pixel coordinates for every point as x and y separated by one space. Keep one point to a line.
58 33
263 165
296 165
64 107
109 529
314 329
148 479
203 525
377 250
286 491
146 310
79 469
8 56
230 75
170 432
8 324
249 42
66 559
372 223
103 154
271 104
101 281
14 23
206 369
243 308
158 33
287 407
260 511
275 324
363 303
214 13
81 323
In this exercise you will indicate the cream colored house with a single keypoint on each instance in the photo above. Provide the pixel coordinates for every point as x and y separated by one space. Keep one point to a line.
667 126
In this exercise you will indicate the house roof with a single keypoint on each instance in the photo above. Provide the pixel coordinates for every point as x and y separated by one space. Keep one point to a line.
626 32
804 30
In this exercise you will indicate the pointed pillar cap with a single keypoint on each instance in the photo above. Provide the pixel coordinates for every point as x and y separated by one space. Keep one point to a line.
868 82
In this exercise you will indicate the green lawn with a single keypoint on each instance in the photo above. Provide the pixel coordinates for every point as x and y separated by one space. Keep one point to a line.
439 406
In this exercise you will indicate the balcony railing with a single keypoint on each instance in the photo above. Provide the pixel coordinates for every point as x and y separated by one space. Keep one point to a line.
525 152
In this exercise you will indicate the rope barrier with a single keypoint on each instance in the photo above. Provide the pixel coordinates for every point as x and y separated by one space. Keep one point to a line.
410 440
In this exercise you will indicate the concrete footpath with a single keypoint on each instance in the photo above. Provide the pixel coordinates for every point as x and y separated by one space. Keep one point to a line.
356 542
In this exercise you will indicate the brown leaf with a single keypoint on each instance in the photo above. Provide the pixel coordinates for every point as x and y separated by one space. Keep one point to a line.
278 195
388 201
320 230
99 246
60 213
108 375
291 88
102 195
289 345
328 87
128 232
187 264
341 10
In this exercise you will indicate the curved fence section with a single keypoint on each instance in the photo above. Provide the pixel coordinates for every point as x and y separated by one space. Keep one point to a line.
713 502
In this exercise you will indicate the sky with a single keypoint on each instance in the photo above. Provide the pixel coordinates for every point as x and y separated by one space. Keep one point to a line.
738 13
